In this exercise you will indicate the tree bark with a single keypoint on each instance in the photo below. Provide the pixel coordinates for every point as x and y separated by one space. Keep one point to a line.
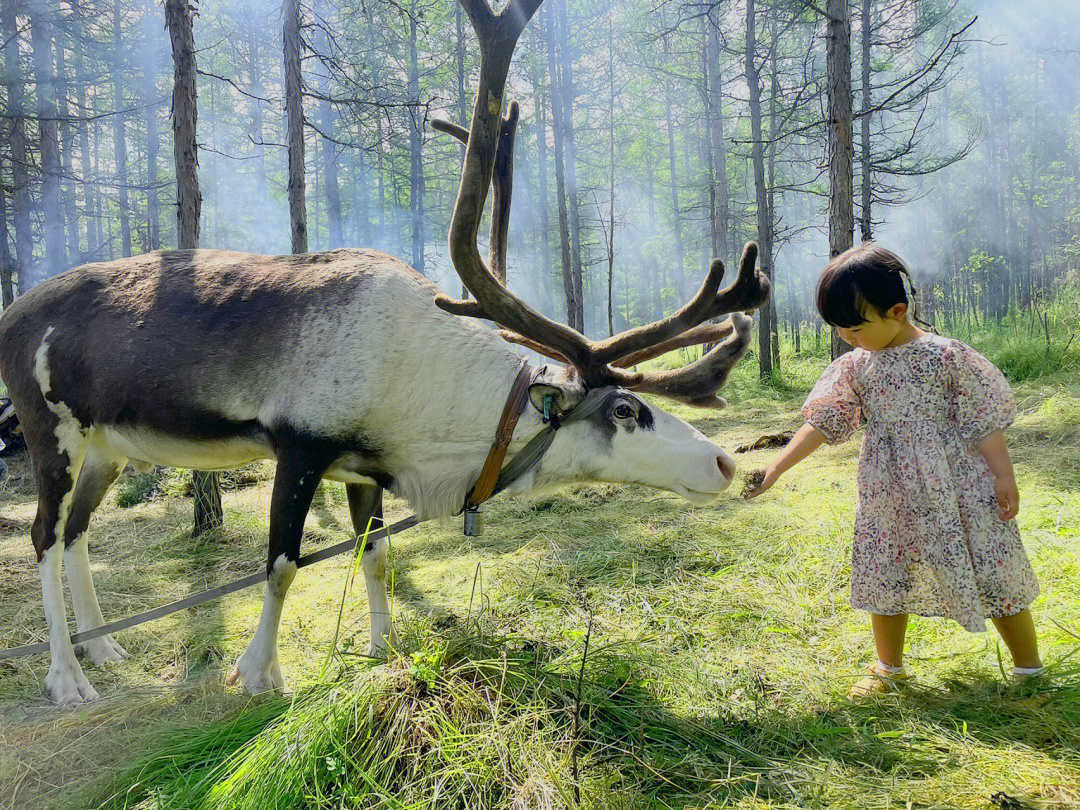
294 113
119 136
67 142
179 17
7 261
715 97
329 155
24 244
764 226
838 64
416 164
566 92
49 145
256 124
150 98
574 308
541 161
89 190
770 179
865 221
611 179
679 270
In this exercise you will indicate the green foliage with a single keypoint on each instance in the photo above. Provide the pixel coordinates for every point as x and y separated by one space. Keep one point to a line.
137 488
467 720
1029 343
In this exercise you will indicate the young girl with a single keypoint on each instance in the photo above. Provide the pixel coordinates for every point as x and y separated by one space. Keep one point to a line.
933 467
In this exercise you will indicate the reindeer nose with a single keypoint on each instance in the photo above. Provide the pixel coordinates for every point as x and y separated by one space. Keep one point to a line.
727 467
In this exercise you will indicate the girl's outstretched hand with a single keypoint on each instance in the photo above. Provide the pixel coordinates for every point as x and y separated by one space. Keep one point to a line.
769 477
805 441
1008 496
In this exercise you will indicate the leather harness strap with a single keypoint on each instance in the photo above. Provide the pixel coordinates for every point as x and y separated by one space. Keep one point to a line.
504 434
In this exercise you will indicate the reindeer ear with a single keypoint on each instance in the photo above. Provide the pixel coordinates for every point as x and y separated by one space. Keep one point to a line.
559 399
559 387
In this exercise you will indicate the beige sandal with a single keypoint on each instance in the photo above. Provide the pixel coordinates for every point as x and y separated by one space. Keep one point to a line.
880 682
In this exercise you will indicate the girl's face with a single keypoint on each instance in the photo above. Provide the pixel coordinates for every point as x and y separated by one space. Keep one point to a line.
877 331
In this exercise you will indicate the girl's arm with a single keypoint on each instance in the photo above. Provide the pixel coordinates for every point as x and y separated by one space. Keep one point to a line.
802 444
996 453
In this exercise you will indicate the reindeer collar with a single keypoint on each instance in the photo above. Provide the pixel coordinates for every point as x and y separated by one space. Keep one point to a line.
485 485
494 478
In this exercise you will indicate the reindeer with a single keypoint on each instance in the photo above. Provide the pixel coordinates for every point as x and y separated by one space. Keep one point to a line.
349 366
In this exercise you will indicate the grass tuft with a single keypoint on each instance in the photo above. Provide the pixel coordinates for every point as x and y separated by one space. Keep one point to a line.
467 719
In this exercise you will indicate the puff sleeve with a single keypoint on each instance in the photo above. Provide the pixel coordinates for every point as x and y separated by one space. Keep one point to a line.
834 405
981 399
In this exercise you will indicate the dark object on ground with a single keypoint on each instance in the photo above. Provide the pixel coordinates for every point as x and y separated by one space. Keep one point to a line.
767 441
752 481
11 439
1007 802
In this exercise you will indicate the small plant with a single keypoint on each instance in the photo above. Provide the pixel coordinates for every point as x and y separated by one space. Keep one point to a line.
427 665
135 488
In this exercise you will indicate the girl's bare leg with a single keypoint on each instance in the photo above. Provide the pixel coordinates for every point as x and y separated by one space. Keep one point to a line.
889 632
1018 633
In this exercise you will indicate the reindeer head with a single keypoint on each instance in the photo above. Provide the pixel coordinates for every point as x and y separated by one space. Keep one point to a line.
636 442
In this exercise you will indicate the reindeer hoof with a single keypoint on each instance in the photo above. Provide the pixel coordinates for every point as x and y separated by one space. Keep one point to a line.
102 651
257 680
66 685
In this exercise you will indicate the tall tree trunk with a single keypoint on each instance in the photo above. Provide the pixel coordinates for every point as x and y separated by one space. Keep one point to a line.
838 63
865 221
213 236
330 172
651 267
719 193
294 113
774 92
67 142
119 135
256 121
566 88
49 145
102 230
360 202
679 276
541 159
150 99
764 226
416 164
89 187
611 178
7 261
179 17
574 308
24 242
380 170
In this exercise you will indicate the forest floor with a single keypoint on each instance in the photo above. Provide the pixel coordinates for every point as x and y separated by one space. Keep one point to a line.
731 619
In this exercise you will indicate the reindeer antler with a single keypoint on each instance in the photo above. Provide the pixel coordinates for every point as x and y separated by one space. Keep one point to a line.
489 161
502 185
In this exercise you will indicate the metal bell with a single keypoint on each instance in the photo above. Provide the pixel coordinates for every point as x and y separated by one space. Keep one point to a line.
473 524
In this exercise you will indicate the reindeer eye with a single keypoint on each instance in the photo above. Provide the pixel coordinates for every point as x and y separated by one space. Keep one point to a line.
623 412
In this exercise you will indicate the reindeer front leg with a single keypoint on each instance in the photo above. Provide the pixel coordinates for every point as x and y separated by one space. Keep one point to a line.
298 474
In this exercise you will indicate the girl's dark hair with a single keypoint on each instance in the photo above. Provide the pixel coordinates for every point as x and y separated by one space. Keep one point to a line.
867 276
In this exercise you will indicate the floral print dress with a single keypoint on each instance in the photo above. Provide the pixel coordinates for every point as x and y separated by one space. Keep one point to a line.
928 539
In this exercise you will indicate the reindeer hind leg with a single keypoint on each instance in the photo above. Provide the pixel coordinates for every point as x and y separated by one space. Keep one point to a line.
365 506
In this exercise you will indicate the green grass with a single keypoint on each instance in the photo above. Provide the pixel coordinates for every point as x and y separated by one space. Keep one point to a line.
720 653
